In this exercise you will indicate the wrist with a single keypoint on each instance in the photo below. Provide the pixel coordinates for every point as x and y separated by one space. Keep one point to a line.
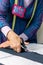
23 36
12 35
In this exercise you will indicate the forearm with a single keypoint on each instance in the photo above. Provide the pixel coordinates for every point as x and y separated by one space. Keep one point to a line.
4 7
32 29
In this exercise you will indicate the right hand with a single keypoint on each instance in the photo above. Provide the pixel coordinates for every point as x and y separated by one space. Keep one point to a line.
13 41
12 45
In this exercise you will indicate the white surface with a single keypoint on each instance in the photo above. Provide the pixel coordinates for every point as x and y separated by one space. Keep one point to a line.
9 59
38 48
3 55
16 60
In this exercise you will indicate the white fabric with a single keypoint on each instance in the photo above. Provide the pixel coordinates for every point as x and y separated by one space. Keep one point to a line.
3 54
27 2
5 30
8 59
38 48
24 37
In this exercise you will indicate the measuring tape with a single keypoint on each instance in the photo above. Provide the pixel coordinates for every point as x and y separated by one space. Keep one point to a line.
14 17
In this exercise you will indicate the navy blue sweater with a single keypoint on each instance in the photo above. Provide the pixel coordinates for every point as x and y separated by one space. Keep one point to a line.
6 18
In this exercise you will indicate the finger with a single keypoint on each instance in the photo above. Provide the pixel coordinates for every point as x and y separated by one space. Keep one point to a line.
4 44
18 48
13 47
26 43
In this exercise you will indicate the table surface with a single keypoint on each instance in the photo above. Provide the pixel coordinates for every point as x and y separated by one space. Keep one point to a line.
8 56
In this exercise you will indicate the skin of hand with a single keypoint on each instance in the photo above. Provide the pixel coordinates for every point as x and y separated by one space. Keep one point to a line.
13 41
7 44
12 45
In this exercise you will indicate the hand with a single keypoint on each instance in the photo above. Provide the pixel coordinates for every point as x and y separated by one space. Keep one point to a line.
15 41
7 44
26 43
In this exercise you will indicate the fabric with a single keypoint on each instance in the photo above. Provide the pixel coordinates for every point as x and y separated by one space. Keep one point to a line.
28 55
27 3
5 30
6 17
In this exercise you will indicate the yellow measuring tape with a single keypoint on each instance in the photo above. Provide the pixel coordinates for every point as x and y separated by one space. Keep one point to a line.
14 17
34 10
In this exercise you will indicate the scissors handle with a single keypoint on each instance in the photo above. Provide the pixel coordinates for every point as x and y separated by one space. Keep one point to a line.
23 45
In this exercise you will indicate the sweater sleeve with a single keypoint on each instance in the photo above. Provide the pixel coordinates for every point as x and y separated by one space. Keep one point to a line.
4 6
35 24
